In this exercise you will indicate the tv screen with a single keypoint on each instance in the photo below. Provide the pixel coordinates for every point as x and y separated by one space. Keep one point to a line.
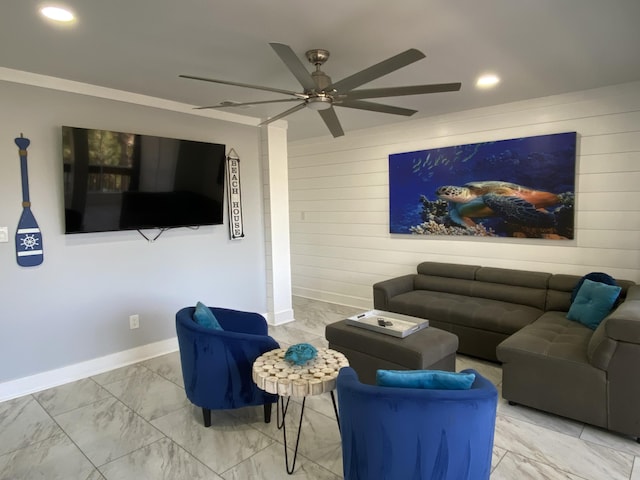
126 181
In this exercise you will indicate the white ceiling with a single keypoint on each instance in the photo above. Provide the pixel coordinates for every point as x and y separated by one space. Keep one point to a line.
538 47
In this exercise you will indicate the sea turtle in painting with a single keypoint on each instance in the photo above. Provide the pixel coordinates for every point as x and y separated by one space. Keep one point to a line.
514 203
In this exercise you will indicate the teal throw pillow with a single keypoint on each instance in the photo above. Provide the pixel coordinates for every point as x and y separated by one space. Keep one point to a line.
593 303
428 379
205 317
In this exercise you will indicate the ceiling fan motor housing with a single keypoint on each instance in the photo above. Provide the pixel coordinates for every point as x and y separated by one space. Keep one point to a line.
322 80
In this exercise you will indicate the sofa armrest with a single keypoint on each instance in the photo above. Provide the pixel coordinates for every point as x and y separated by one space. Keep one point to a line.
385 290
623 324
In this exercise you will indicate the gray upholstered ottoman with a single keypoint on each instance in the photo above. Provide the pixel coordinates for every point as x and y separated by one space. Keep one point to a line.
367 351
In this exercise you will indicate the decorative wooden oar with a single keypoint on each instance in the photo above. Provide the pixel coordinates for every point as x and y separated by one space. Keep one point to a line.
28 235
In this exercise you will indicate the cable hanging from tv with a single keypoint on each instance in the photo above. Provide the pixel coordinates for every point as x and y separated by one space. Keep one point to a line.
162 230
151 240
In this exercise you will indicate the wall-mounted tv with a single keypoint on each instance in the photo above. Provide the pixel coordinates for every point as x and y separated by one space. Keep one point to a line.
126 181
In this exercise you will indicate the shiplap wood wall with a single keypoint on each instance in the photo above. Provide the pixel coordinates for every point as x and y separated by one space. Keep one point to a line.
339 198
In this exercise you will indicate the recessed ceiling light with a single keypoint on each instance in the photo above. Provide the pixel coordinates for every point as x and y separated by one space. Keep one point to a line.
58 14
487 81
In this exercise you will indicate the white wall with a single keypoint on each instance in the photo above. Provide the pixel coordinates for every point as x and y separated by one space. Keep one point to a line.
339 197
75 306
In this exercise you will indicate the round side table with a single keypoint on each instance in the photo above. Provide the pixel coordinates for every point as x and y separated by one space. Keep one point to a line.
272 373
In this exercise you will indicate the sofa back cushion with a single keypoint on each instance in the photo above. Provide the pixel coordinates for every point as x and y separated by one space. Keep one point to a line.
507 285
559 293
445 277
450 270
507 276
514 286
459 286
624 284
531 297
561 286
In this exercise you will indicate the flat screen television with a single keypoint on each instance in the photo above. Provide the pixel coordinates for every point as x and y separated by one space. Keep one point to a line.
126 181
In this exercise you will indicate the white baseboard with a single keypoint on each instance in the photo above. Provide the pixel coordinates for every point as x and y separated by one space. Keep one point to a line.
281 317
60 376
347 300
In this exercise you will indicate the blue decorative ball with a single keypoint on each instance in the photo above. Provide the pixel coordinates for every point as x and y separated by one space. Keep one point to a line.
300 353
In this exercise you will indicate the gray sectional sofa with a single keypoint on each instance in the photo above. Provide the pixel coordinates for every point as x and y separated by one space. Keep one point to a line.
518 317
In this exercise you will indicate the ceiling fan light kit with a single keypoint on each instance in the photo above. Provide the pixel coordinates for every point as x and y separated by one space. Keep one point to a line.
321 102
321 94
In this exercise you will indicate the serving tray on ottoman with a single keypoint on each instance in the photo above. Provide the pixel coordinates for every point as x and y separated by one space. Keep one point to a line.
389 323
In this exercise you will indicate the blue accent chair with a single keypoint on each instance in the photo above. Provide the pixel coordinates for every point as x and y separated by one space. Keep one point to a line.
216 364
393 433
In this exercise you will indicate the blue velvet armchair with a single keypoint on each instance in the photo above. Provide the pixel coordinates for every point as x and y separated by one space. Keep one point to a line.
405 433
216 364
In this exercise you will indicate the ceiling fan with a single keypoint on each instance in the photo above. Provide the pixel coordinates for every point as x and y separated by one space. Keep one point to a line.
320 93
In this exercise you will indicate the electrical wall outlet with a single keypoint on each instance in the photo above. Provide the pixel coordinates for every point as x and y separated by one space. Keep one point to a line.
134 321
4 234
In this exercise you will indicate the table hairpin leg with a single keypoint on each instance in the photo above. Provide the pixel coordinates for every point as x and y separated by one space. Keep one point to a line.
280 423
281 405
335 409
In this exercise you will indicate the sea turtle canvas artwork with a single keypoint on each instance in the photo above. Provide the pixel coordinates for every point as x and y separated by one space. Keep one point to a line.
522 188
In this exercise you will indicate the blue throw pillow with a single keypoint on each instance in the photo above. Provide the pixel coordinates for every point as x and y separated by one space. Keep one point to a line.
593 302
595 277
429 379
205 317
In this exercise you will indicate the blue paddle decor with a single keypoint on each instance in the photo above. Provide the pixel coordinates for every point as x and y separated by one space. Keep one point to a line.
28 235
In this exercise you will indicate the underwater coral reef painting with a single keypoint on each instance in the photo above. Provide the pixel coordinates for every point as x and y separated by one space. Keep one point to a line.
523 188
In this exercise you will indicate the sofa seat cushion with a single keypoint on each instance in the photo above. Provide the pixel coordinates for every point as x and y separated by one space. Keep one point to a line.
481 313
545 366
553 336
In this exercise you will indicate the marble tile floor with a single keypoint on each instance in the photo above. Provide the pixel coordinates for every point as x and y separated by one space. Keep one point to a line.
136 423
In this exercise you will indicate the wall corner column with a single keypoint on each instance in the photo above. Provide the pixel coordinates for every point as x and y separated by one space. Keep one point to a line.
277 242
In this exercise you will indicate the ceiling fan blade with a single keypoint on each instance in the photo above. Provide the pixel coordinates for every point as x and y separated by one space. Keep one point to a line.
399 91
246 85
375 107
283 114
293 63
378 70
331 121
234 104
